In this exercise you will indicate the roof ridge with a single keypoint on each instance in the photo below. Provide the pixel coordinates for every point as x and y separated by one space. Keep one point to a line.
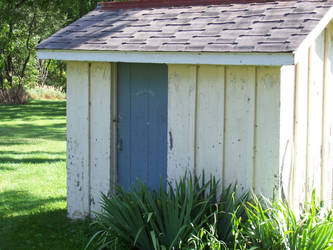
144 4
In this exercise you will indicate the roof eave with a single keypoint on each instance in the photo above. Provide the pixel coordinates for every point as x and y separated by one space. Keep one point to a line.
178 57
312 36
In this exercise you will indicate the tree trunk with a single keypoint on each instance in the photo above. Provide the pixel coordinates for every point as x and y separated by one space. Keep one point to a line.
9 71
2 87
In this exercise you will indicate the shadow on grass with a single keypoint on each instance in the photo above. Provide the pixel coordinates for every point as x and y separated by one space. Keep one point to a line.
9 160
45 230
61 153
38 228
34 111
44 109
54 131
17 201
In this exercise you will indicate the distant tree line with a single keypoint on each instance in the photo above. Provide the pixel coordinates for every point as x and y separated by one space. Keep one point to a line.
25 23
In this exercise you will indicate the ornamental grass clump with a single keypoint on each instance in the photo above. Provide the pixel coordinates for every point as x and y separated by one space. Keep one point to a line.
159 219
273 225
197 214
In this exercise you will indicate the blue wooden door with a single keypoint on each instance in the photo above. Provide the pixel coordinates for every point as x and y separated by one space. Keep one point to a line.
142 124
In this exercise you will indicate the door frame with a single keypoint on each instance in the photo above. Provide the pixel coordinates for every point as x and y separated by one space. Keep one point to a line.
114 127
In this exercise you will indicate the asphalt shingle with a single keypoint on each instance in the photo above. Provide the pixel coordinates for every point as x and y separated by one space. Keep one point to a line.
277 26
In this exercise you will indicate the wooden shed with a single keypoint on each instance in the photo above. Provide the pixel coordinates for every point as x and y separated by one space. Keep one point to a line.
242 89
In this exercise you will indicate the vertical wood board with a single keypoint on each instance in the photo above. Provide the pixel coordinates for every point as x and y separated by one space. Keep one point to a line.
239 126
181 120
78 185
114 126
100 132
266 170
300 136
315 116
327 171
286 151
209 120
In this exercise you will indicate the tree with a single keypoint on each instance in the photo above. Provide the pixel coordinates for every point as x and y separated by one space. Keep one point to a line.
25 23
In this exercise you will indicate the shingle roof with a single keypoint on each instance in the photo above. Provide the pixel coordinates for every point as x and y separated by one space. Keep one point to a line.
278 26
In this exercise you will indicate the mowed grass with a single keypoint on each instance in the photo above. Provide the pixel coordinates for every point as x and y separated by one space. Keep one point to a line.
33 179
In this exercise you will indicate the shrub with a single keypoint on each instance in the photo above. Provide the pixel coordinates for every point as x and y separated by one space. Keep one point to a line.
46 93
14 95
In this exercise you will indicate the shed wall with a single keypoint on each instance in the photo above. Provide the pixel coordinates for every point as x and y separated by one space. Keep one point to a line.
88 136
225 120
267 128
313 122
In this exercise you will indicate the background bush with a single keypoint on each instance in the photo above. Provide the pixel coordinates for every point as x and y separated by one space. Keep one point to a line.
15 95
46 92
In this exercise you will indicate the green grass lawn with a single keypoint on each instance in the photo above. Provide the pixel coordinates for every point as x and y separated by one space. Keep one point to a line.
33 179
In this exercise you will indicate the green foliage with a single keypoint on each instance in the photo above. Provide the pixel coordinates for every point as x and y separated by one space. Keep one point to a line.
158 219
25 23
230 206
206 238
273 225
191 213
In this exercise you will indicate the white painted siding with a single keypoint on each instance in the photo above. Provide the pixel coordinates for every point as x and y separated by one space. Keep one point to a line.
300 135
78 181
212 116
327 171
100 127
316 66
314 122
88 136
181 119
286 155
267 131
239 126
209 120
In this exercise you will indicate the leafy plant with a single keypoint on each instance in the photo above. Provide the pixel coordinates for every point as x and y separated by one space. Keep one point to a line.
273 225
155 220
230 205
207 238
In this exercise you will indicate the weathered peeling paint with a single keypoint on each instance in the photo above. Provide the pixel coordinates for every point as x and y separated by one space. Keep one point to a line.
212 124
78 185
239 126
100 132
267 130
181 119
209 107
